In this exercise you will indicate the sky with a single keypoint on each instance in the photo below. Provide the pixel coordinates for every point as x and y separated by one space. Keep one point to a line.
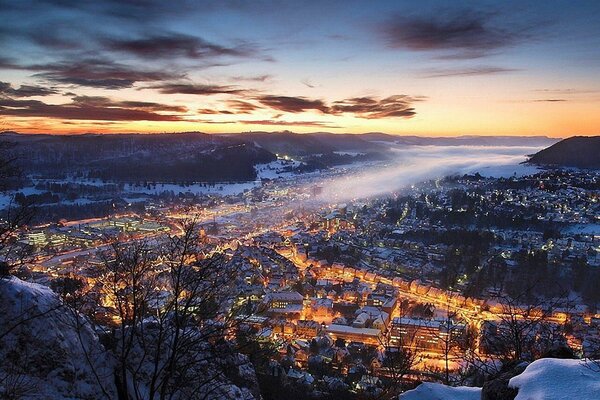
430 68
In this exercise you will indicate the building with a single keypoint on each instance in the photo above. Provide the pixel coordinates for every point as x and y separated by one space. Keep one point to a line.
284 302
424 334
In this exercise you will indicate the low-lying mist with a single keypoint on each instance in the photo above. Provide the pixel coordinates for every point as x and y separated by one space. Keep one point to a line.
418 163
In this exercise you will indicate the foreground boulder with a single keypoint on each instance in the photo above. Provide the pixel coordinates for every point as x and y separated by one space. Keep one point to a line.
497 388
47 351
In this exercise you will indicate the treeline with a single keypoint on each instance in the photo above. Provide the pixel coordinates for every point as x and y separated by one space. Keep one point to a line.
228 164
331 159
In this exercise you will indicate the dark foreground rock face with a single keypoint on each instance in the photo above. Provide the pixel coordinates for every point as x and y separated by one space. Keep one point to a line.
47 352
497 388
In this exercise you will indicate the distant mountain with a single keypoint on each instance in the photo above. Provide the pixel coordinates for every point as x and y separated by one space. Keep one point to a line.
467 140
302 144
577 151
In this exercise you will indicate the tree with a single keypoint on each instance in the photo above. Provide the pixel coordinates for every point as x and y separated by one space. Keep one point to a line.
399 359
524 329
174 317
13 217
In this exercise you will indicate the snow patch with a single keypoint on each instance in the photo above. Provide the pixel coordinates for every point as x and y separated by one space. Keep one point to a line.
557 379
437 391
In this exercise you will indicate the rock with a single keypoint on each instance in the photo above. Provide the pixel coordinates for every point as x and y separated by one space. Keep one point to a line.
47 351
497 388
562 352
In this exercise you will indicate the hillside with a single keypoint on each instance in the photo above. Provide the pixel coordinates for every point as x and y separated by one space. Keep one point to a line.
577 151
190 156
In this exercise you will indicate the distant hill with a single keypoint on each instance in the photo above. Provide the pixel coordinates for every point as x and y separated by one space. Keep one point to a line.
303 144
190 156
466 140
289 143
577 151
201 157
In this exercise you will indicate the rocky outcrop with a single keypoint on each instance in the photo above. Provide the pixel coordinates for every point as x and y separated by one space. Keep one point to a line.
48 352
497 388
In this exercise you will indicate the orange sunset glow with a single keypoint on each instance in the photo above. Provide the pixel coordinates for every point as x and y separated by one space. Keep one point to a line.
498 69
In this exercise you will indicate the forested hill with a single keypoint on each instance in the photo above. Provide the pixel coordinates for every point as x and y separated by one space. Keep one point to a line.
576 151
191 156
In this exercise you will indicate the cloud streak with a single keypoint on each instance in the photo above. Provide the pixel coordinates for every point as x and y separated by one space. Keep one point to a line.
171 45
91 109
98 73
319 124
6 89
196 89
463 72
368 107
465 35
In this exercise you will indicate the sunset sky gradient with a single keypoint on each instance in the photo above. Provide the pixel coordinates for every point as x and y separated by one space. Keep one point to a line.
431 68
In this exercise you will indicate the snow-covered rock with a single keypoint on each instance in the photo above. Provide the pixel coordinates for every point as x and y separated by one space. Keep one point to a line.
544 379
437 391
47 351
557 379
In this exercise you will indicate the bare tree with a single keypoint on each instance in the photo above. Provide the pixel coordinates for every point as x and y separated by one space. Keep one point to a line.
174 317
523 330
400 358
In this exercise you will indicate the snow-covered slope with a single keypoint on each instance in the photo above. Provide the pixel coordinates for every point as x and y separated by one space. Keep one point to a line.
42 356
556 379
437 391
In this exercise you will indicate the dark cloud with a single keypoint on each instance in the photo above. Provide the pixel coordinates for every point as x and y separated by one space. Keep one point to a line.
472 71
549 100
8 63
25 90
466 35
242 107
98 73
257 78
86 108
308 83
233 107
373 108
209 111
360 107
170 45
191 88
293 104
101 101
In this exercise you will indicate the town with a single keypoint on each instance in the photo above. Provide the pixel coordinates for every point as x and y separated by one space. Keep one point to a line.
434 274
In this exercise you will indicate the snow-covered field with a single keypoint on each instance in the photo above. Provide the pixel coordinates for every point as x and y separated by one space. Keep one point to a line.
276 169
